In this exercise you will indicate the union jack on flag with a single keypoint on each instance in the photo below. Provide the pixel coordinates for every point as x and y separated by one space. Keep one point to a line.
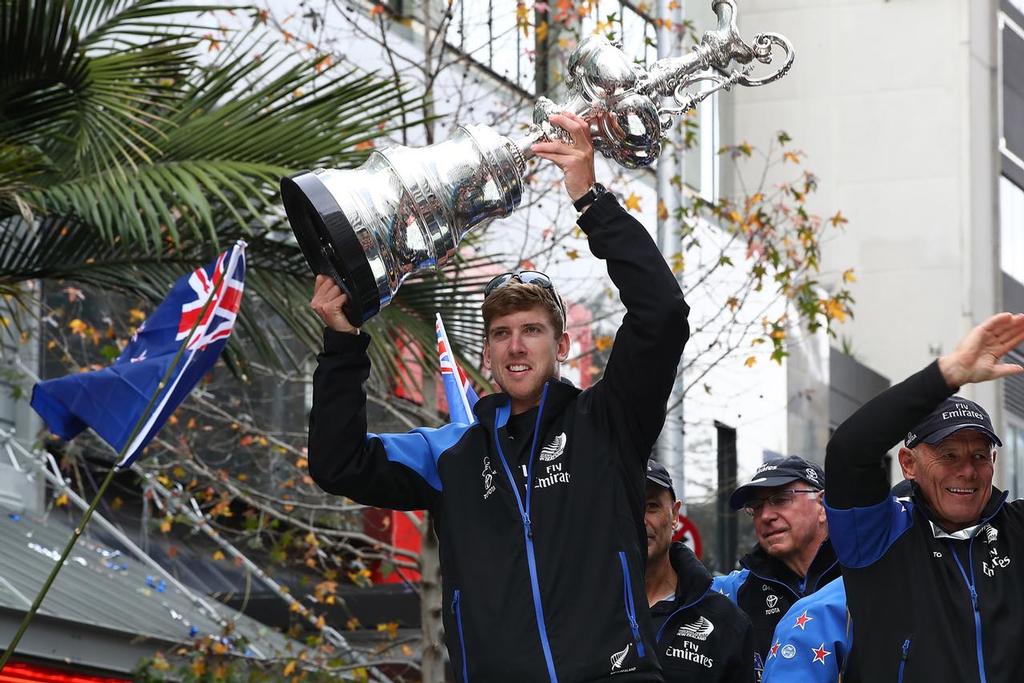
457 390
112 400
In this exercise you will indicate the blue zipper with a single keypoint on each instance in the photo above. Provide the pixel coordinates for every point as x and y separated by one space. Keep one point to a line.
904 654
627 589
524 512
457 610
974 601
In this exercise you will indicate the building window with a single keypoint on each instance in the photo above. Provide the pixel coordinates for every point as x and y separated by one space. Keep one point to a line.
1011 137
1011 229
1013 451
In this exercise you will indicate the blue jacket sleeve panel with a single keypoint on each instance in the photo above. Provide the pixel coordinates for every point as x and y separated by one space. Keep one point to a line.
729 585
812 640
420 449
861 536
397 471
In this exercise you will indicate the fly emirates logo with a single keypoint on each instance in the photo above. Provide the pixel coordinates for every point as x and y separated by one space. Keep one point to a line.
553 473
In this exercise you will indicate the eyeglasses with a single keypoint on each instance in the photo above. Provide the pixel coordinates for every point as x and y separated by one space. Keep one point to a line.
527 277
782 499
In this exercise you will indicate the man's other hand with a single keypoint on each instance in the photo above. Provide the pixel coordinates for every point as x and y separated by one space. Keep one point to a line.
327 302
977 356
575 160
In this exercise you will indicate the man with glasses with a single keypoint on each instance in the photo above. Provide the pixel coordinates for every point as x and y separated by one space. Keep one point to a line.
793 556
539 505
933 583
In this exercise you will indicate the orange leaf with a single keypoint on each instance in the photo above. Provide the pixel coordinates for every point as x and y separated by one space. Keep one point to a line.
750 361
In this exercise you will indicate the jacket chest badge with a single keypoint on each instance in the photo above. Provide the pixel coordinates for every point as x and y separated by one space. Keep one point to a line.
994 561
553 473
487 476
771 602
693 634
554 449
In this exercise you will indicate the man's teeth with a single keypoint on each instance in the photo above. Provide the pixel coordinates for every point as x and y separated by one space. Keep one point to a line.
518 368
960 491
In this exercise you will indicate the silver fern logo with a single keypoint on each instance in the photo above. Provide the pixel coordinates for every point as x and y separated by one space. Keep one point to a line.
619 657
553 449
698 630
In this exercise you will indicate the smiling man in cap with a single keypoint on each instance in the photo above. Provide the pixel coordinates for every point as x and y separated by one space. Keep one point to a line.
934 584
793 556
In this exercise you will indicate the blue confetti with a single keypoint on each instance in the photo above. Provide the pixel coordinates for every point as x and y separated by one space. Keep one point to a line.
15 517
193 632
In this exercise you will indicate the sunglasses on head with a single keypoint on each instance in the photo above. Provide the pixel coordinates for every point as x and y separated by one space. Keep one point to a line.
527 277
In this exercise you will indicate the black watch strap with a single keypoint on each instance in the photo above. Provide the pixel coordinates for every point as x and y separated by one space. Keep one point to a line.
589 197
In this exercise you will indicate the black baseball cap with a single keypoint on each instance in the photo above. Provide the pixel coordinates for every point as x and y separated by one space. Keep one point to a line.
776 473
952 415
657 474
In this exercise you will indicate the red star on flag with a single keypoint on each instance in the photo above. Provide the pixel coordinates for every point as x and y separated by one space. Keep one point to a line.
774 650
819 654
802 620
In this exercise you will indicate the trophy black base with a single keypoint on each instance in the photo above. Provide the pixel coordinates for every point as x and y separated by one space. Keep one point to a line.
329 243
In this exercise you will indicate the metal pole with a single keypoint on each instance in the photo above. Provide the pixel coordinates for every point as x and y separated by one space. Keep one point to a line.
669 449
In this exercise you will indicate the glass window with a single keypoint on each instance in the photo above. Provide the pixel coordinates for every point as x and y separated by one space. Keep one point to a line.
1012 66
1013 451
1011 228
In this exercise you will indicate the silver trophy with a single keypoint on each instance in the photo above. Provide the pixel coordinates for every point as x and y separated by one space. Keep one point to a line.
406 209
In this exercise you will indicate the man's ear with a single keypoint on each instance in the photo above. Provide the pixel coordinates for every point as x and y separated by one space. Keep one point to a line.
487 355
907 462
564 343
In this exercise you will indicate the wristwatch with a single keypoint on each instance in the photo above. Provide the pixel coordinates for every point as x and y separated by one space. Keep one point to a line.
589 197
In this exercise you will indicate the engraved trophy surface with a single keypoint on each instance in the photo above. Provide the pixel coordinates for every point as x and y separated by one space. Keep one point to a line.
406 209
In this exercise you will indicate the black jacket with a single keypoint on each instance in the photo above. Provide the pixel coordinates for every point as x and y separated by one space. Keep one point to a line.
546 583
926 605
766 588
702 636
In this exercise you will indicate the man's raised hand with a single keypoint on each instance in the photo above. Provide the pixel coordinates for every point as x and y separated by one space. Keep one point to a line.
977 357
575 160
327 302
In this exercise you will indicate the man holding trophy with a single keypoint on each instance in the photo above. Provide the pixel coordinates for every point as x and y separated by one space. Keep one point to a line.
538 506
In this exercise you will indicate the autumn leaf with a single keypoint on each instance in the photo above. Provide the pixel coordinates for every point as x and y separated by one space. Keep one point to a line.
289 668
732 302
677 262
160 662
750 361
522 17
838 219
352 624
165 524
662 211
364 145
603 342
376 10
78 327
848 275
632 202
542 30
391 628
793 157
218 555
324 63
61 500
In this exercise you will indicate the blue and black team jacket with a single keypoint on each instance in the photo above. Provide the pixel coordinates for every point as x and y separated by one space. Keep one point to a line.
766 588
926 605
812 640
542 582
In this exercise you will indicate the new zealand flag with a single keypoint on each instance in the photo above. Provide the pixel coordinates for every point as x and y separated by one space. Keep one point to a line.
112 400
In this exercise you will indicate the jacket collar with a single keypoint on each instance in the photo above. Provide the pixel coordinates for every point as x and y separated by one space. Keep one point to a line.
762 564
692 578
495 409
